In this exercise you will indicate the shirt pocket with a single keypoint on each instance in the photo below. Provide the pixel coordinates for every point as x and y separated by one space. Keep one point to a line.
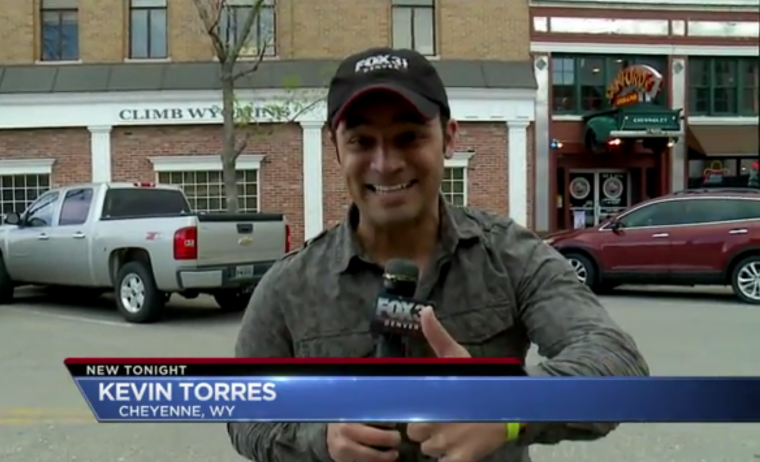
487 331
336 345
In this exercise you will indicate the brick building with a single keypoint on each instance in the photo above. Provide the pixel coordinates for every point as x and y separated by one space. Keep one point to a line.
101 90
704 54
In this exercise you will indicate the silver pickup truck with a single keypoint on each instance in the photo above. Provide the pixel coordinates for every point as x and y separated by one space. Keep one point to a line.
141 240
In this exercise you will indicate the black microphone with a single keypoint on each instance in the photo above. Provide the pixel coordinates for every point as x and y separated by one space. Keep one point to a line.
397 314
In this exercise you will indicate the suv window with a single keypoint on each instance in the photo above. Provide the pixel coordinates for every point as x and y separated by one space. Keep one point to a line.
666 213
40 213
720 209
743 209
76 207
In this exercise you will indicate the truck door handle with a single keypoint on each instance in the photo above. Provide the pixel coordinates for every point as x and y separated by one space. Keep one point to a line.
78 235
43 237
738 231
661 235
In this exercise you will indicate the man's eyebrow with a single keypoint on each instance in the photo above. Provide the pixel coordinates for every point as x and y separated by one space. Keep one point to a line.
353 121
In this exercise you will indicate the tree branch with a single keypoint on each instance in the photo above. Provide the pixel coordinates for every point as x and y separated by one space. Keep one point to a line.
255 65
211 24
247 26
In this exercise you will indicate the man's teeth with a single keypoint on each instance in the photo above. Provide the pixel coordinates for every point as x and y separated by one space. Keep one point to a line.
387 189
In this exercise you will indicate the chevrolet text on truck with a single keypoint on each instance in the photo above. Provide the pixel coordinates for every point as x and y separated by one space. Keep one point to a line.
140 240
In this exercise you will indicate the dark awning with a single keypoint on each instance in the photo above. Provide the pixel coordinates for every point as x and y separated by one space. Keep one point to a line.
723 140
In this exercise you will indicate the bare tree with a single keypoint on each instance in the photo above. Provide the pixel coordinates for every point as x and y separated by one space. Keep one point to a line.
235 27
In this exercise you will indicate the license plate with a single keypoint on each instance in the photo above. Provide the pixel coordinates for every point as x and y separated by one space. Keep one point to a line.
244 271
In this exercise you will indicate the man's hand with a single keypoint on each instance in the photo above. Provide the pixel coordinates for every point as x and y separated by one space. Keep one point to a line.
453 442
354 442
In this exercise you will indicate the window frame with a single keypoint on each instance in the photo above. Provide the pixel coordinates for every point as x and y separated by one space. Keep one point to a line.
740 86
232 10
149 9
610 69
412 7
60 11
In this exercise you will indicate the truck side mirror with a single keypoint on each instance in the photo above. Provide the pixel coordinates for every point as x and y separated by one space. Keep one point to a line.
12 218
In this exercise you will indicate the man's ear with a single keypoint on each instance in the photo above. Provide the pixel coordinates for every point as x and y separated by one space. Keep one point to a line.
449 139
334 142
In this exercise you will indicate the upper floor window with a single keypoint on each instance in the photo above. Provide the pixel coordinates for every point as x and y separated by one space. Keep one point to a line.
59 30
724 86
414 25
147 29
579 82
260 37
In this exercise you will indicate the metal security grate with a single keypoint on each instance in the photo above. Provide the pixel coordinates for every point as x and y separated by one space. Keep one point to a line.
454 185
205 189
18 191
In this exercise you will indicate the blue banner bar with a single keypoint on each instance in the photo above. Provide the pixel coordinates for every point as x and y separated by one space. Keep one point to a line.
403 399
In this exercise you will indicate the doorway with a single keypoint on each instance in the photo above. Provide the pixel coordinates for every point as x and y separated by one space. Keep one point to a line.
595 195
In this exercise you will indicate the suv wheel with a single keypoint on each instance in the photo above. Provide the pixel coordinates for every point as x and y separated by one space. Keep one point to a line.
583 267
746 280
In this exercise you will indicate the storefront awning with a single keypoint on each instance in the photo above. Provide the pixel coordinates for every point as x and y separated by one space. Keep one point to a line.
602 127
723 140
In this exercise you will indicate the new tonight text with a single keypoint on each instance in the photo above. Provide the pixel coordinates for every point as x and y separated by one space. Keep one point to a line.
191 392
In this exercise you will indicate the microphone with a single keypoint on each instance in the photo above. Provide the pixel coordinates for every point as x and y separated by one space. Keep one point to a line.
397 314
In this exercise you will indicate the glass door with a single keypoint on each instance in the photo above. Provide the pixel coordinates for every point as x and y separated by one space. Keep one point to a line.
613 194
581 193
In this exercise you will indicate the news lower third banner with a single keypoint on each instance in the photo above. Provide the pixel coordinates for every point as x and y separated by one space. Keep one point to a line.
163 394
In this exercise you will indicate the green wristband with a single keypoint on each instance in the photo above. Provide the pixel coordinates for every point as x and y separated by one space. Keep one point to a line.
512 430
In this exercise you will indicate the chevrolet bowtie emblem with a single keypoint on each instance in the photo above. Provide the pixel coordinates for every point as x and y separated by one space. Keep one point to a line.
245 241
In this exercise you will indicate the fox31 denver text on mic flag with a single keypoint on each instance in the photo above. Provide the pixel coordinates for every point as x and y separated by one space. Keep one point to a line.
394 390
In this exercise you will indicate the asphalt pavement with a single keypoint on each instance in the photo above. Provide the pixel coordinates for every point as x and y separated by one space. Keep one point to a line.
43 417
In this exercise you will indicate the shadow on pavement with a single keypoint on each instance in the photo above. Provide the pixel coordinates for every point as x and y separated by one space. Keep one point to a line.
178 310
698 294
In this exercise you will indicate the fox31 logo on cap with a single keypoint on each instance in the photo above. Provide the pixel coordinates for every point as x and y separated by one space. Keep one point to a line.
378 62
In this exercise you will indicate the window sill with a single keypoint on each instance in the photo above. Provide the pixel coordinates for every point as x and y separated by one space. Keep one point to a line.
147 60
58 63
567 117
248 59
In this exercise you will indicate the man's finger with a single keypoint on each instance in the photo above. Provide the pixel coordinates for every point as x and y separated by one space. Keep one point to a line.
371 436
439 339
355 452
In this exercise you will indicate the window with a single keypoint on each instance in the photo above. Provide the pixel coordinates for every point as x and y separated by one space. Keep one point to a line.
579 82
657 214
41 212
147 29
744 209
454 185
414 25
75 207
18 191
205 189
262 32
59 30
723 86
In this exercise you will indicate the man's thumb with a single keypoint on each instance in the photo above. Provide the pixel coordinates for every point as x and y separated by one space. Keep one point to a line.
439 339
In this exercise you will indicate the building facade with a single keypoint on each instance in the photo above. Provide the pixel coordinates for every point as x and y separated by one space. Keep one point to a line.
127 90
691 64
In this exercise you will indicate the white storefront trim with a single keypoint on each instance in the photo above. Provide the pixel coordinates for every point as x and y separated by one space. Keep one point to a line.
459 160
642 49
100 112
202 163
26 167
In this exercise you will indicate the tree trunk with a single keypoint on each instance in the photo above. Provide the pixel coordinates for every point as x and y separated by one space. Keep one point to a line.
229 154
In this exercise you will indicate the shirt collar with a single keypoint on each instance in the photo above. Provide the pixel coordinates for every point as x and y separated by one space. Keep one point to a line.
456 227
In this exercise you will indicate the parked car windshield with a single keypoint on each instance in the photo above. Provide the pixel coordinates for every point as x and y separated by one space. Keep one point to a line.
144 202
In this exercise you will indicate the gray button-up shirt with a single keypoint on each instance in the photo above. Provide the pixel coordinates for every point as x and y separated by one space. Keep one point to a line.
496 287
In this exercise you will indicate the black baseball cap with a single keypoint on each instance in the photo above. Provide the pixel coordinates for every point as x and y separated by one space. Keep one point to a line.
403 72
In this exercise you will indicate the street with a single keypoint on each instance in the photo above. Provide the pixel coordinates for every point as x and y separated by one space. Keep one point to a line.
43 418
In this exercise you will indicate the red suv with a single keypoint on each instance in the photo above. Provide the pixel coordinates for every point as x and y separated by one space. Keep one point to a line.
692 237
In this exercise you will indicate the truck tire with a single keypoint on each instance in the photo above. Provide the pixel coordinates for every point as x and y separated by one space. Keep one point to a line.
6 284
233 301
744 278
137 297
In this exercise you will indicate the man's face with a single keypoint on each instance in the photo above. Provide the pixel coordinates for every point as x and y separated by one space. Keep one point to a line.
392 158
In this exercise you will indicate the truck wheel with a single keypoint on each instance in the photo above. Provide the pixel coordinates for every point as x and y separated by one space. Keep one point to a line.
6 285
584 268
745 280
137 298
232 300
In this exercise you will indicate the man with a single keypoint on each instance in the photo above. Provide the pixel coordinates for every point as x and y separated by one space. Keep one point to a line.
497 287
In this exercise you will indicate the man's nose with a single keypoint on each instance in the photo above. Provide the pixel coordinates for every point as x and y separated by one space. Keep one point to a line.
387 160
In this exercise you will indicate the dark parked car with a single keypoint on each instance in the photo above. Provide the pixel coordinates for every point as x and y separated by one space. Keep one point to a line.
692 237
